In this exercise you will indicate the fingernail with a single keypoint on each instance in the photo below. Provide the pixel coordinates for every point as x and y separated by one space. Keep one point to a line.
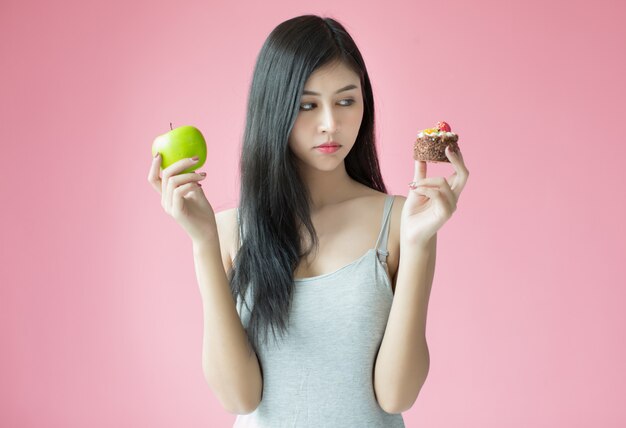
195 158
157 155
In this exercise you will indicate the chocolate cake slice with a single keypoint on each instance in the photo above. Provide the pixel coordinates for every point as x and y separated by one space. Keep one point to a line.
430 145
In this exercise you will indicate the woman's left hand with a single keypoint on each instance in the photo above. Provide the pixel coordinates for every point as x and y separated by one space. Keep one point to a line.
431 201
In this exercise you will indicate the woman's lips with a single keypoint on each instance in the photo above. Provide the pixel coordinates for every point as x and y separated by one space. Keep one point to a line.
327 149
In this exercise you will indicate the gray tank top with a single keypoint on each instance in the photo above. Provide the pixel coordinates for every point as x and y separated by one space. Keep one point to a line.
322 373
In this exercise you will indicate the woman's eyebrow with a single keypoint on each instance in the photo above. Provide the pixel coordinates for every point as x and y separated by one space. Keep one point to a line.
345 88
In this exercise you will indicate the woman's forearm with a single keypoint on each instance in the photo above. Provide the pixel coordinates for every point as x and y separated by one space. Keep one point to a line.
403 359
230 366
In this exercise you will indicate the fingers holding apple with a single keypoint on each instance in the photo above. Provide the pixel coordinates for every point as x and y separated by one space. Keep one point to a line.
179 151
177 169
181 193
187 204
180 143
178 184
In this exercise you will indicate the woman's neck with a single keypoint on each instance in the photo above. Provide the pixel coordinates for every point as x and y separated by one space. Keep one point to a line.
328 187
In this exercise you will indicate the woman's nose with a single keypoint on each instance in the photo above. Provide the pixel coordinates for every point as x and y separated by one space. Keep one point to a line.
328 121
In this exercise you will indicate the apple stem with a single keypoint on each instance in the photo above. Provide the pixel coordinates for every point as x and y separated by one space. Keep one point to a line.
171 126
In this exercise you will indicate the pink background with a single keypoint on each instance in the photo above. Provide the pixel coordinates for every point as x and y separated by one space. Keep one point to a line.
101 319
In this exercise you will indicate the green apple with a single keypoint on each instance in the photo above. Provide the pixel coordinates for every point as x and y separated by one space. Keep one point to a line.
180 143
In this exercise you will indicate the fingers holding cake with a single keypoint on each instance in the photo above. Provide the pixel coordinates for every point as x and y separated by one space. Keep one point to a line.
420 171
440 184
439 144
454 155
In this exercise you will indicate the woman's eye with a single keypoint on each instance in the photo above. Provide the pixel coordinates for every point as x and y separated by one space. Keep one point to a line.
305 107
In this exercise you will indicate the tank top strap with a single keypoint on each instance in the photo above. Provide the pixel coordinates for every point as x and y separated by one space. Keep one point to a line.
239 227
383 236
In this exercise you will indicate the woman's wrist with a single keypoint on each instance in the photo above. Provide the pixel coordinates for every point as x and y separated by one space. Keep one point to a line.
204 243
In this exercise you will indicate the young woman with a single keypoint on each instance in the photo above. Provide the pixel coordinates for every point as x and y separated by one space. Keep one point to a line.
316 251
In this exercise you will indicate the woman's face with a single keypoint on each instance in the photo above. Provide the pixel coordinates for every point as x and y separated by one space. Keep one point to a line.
327 115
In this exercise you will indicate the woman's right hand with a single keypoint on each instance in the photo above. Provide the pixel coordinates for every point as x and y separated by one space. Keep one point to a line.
182 198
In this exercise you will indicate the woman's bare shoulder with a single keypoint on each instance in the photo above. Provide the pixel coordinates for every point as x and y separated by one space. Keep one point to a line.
369 195
376 199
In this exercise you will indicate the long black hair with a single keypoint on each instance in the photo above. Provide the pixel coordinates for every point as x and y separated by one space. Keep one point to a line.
274 201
